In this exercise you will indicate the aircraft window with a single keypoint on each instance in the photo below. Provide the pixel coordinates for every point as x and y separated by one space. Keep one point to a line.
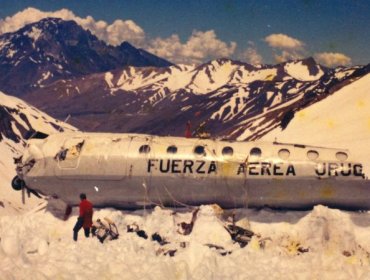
342 156
255 152
144 149
227 151
312 155
284 153
172 150
199 150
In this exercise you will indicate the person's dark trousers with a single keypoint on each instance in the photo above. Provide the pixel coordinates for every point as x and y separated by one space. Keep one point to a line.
87 232
77 227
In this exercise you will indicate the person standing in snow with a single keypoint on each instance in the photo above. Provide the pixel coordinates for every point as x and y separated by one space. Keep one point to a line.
188 130
85 218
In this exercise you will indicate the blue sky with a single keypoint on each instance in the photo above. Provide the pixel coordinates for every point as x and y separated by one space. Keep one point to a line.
169 28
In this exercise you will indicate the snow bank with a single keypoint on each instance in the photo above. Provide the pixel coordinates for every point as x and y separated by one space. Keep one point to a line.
320 244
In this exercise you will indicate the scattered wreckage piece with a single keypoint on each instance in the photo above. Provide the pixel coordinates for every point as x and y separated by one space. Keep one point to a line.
187 228
165 252
240 235
135 228
156 237
105 230
239 232
221 250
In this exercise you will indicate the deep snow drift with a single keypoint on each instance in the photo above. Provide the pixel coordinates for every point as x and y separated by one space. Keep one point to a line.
319 244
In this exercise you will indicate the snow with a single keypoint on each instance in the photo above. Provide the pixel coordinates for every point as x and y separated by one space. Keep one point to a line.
319 244
341 120
342 74
34 61
3 43
44 77
34 35
299 71
108 79
179 80
232 104
277 99
10 53
220 74
11 201
186 108
40 123
251 76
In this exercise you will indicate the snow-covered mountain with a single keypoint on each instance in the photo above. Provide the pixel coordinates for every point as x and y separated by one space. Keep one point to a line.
233 99
342 120
45 51
17 120
65 70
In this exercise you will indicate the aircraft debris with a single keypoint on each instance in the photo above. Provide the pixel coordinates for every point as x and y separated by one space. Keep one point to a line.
186 228
219 249
105 230
72 151
135 228
191 172
162 251
239 235
159 239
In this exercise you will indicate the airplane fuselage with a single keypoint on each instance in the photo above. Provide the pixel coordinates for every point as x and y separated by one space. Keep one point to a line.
133 170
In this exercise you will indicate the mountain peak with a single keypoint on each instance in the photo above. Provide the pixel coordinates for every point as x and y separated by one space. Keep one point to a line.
52 26
304 69
50 49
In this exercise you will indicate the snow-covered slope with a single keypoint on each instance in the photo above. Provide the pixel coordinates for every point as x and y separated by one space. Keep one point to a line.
341 120
17 120
303 72
321 244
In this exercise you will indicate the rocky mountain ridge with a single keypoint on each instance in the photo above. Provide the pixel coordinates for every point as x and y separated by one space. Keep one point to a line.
231 99
51 49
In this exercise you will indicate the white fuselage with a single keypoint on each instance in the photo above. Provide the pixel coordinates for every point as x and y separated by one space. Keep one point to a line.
133 170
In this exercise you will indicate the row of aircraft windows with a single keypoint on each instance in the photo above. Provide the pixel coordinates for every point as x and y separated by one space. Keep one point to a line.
254 152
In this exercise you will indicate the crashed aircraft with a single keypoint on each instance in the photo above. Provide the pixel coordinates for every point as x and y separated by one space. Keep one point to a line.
137 170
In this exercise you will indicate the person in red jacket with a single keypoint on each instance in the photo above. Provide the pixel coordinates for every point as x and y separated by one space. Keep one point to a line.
188 130
84 220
